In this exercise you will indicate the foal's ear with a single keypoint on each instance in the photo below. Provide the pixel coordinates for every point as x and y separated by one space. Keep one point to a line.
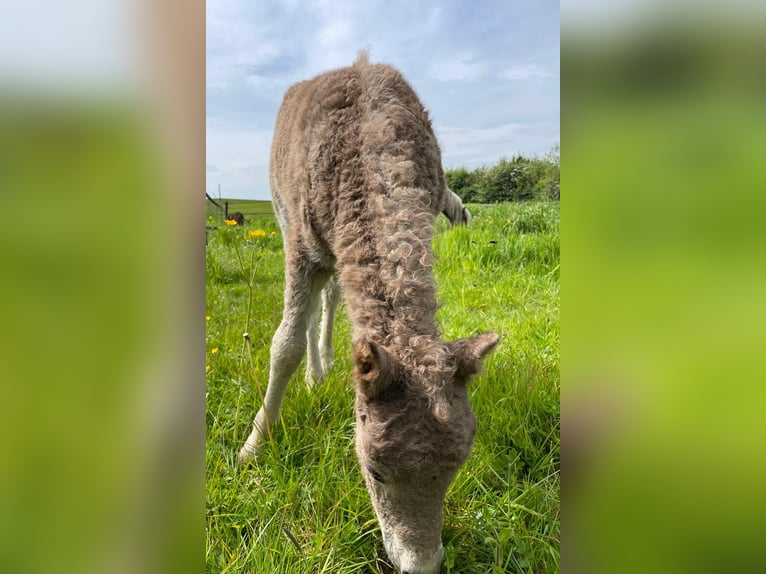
373 368
470 352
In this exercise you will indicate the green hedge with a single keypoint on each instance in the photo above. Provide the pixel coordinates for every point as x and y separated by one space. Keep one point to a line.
516 179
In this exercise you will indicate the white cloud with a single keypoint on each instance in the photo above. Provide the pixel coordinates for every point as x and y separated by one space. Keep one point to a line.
463 68
484 146
240 161
470 143
335 33
524 72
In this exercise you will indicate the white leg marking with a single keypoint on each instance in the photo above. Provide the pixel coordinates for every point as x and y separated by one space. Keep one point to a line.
330 299
302 292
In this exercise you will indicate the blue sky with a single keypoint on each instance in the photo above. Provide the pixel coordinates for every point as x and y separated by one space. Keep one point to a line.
488 71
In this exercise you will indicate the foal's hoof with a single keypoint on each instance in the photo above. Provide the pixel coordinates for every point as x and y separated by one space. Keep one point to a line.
246 454
313 381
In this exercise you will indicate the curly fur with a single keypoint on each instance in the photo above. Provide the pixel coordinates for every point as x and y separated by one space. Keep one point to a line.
368 146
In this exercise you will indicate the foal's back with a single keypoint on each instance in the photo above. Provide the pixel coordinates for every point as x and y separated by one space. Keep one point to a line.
350 148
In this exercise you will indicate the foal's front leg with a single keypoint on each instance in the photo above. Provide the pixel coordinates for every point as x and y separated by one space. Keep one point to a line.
302 290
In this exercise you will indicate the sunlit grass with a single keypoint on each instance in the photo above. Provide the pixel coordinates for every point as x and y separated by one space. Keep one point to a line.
302 506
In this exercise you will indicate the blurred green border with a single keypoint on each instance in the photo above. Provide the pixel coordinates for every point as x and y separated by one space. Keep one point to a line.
663 306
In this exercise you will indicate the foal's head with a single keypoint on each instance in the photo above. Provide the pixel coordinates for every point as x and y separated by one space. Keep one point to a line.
414 429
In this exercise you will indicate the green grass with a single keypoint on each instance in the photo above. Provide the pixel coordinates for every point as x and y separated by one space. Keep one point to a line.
302 506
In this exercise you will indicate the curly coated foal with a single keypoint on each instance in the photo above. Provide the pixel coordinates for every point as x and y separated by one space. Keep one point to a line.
357 182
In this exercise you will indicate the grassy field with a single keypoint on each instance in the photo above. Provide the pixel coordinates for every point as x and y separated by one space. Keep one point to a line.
302 506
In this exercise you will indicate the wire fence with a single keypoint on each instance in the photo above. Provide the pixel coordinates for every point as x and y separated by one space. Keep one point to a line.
218 210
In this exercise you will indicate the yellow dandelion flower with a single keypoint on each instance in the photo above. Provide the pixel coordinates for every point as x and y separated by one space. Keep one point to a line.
207 317
273 233
214 350
257 233
230 222
207 368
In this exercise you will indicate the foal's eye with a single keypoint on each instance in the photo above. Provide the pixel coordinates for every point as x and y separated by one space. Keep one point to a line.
375 474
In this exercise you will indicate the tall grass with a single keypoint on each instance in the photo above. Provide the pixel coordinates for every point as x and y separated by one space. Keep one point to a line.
302 506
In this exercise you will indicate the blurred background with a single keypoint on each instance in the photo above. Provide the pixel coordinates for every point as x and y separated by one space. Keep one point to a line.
663 286
102 108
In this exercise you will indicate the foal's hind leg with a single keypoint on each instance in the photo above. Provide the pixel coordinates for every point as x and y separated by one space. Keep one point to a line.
320 350
314 372
303 285
330 299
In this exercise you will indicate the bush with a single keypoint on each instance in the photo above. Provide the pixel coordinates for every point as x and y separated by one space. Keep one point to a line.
465 183
516 179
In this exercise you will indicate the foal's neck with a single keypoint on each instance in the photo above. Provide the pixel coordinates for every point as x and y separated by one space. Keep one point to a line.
385 271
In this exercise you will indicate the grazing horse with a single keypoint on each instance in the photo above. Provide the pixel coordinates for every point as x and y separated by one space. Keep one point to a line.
237 216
